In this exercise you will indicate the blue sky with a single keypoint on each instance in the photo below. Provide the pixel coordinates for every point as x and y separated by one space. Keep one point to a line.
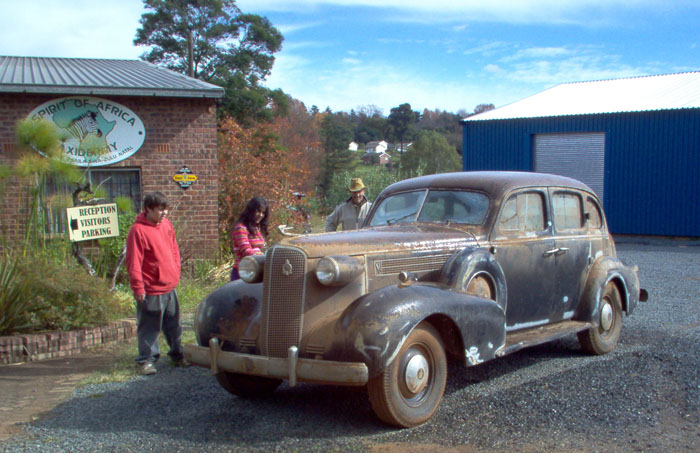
436 54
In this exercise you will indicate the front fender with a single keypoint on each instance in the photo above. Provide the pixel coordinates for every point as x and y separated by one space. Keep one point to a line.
467 263
229 313
374 327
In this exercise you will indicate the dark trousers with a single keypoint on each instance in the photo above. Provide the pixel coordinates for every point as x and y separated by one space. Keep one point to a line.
156 313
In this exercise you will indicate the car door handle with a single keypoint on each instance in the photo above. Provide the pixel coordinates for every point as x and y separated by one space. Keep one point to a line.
556 251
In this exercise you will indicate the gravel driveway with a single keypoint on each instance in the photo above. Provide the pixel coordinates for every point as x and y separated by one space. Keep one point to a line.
645 396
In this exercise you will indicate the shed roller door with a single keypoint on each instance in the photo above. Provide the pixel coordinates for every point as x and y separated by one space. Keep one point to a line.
579 156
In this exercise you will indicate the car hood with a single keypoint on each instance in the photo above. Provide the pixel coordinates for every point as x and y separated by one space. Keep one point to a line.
382 240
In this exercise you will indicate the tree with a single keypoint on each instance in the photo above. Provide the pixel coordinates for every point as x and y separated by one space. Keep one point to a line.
336 133
401 124
430 154
299 134
213 41
251 163
481 108
44 160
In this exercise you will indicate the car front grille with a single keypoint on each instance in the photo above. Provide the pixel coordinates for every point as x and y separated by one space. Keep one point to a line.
283 300
409 264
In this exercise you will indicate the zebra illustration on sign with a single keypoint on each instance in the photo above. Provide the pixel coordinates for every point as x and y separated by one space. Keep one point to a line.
86 126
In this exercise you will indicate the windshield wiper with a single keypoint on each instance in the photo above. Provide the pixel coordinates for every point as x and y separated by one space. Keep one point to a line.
393 221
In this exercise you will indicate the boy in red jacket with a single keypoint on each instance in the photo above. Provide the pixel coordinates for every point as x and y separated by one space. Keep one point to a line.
153 262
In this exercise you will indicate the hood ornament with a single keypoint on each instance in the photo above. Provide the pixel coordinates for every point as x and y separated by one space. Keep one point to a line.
287 268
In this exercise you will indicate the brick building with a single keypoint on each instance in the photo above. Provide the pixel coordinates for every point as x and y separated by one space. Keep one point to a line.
159 127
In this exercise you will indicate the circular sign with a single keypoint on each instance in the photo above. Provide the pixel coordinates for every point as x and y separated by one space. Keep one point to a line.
94 131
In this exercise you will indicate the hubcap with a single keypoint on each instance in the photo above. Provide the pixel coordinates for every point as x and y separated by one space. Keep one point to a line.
416 373
606 316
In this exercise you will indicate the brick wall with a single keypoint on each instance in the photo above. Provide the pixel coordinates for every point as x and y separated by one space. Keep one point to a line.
25 348
179 131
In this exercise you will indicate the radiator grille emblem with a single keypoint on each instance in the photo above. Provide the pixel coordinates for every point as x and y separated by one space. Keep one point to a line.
287 268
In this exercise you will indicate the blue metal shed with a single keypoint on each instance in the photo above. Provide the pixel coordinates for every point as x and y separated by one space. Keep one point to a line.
648 133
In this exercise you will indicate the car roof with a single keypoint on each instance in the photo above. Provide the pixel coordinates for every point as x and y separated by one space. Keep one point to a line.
494 183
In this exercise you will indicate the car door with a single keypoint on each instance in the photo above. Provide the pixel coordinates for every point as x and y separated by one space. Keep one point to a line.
574 250
579 232
523 241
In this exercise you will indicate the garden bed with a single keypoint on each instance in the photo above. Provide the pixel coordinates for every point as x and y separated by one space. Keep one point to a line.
39 346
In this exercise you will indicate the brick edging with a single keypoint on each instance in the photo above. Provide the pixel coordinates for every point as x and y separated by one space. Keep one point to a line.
26 348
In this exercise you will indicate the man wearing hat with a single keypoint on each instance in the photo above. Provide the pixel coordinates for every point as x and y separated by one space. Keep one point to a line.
353 212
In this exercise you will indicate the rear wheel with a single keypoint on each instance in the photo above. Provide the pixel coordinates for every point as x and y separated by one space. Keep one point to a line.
409 391
247 386
603 338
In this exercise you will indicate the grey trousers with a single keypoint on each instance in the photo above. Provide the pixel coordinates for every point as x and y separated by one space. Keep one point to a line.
156 313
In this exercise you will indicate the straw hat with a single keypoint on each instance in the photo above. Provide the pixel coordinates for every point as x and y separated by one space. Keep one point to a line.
356 185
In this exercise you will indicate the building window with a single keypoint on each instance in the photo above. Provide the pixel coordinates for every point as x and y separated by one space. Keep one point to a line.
115 182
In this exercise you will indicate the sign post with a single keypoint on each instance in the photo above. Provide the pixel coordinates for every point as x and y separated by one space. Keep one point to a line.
92 222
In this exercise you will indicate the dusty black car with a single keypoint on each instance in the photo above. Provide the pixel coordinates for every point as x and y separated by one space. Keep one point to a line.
470 266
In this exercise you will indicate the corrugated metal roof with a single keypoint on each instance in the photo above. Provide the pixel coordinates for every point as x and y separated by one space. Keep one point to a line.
637 94
98 77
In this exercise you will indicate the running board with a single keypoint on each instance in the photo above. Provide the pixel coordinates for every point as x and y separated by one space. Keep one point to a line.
537 335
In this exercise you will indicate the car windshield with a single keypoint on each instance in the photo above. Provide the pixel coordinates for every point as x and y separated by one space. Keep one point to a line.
444 206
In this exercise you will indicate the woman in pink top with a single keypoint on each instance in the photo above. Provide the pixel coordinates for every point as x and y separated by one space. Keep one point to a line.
249 232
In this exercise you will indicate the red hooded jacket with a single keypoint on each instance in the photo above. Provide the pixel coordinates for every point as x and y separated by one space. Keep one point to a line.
152 257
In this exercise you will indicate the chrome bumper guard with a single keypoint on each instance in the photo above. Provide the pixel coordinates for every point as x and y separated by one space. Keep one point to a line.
292 368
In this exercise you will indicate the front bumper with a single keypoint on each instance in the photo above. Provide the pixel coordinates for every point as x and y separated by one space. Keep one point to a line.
292 368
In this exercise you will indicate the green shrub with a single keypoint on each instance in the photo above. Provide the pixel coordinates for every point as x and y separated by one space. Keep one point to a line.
67 298
16 298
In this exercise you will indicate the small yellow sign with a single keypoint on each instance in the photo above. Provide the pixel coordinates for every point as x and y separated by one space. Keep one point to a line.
184 177
92 222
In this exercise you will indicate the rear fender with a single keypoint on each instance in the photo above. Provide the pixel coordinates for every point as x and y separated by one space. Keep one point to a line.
374 328
604 270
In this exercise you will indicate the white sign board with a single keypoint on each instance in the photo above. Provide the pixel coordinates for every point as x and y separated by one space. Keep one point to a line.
92 222
97 131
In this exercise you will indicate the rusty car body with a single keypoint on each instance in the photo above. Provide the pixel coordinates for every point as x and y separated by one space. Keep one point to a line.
470 265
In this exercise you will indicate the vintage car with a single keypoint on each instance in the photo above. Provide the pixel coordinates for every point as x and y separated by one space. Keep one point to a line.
470 265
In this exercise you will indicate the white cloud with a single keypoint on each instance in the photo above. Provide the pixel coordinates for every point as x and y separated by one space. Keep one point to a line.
75 29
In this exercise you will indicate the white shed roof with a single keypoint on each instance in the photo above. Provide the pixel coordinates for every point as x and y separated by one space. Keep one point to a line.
636 94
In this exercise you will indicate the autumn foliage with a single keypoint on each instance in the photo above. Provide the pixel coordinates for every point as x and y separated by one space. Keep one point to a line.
252 162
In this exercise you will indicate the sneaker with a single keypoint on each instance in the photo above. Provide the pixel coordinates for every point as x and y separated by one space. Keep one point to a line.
181 363
148 368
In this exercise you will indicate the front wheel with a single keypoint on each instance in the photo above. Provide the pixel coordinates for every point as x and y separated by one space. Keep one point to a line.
246 386
409 391
603 338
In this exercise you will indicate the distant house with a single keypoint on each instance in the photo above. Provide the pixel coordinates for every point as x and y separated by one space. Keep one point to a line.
371 158
352 146
399 147
376 147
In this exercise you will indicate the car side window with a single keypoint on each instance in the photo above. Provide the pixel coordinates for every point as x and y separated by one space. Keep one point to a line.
568 212
595 218
523 212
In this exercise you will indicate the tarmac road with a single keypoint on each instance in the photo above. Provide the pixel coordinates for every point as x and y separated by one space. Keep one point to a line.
645 396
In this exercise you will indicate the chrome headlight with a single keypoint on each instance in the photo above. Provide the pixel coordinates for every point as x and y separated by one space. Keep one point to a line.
251 268
338 270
